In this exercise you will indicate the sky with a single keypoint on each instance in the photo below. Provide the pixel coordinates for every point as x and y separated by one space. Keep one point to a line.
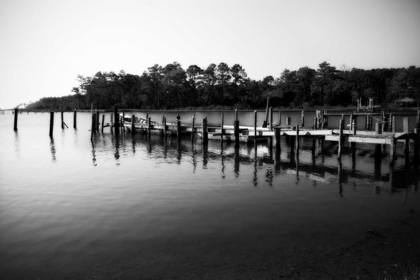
46 44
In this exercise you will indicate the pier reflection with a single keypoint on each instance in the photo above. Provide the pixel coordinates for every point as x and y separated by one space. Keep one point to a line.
358 164
52 149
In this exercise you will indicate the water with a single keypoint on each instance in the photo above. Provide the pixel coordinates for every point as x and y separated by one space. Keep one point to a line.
71 205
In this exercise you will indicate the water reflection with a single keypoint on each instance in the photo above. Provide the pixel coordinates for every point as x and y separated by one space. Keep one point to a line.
17 144
93 153
360 165
53 151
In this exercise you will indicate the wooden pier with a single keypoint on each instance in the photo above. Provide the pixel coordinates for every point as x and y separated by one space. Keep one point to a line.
384 132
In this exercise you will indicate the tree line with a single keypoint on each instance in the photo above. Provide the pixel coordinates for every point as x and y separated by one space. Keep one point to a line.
220 86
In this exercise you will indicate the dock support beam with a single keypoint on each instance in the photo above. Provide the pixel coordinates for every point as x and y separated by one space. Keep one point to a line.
222 120
297 139
165 128
75 119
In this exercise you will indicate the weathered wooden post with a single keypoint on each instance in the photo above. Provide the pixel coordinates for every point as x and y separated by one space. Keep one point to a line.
297 139
178 127
270 113
392 149
222 120
51 123
340 138
302 118
75 119
117 123
287 120
354 126
62 120
315 123
98 115
193 127
133 126
149 126
205 135
165 128
93 126
112 122
277 133
103 122
236 128
351 122
15 123
266 112
255 125
279 117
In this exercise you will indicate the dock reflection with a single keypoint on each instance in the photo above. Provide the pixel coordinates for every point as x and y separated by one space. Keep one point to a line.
358 164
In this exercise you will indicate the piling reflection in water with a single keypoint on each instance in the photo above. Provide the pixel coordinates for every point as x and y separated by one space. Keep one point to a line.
310 164
52 148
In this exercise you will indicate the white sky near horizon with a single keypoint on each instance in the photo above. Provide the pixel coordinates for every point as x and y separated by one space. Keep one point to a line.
45 44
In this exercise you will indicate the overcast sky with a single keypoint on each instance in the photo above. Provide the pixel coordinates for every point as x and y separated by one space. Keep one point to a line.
45 44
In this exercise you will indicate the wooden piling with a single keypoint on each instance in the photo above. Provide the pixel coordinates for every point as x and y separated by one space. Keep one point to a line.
112 122
15 123
315 123
133 126
340 138
270 113
98 115
93 126
75 119
117 123
236 128
62 120
266 112
277 132
354 126
297 139
392 150
351 122
149 126
165 128
178 127
51 124
193 127
103 121
255 125
279 117
205 135
222 120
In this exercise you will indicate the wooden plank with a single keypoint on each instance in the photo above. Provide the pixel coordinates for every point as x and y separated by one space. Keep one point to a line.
355 139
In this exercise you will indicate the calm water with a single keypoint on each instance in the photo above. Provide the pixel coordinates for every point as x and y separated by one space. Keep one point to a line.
70 202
